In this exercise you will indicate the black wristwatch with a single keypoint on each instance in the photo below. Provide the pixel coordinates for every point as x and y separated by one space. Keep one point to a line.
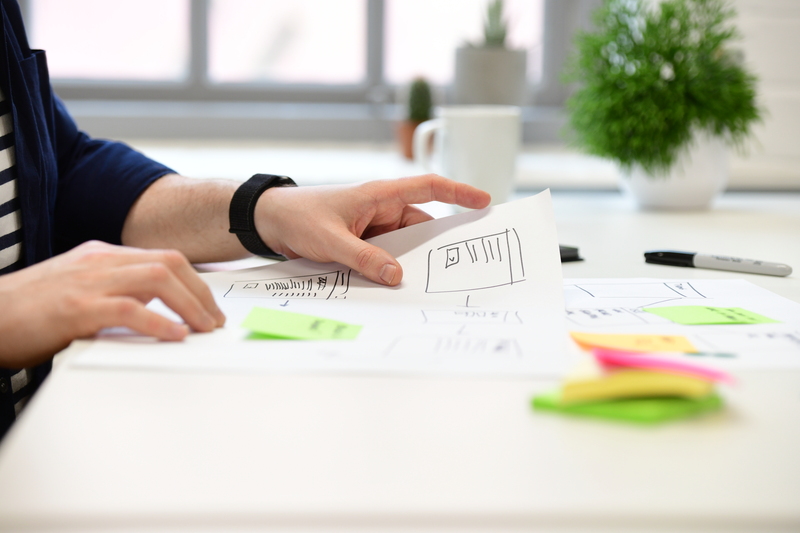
243 207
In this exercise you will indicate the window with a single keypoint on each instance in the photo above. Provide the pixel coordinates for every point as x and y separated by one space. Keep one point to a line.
295 42
136 46
269 43
277 51
418 43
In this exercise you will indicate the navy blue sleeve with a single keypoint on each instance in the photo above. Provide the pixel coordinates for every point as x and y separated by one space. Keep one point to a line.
98 182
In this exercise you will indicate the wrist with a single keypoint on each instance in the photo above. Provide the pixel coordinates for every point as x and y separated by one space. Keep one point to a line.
242 212
273 220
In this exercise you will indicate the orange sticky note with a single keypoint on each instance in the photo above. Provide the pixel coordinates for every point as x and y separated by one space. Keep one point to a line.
634 343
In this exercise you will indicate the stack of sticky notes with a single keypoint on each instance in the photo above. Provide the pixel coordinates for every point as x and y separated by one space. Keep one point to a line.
635 387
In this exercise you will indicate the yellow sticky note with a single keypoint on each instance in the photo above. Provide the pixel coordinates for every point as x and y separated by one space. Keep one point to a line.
271 323
634 343
635 384
590 382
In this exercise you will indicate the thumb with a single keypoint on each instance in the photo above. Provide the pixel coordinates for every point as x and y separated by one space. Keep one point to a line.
371 261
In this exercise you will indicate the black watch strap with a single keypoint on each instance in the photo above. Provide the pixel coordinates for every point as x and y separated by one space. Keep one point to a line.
243 207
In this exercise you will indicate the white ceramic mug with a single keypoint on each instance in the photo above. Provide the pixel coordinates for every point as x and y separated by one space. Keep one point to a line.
477 145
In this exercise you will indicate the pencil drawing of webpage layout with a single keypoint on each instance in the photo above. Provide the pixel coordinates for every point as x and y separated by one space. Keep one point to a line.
481 293
620 306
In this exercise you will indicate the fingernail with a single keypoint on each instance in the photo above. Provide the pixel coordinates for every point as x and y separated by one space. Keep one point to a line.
209 322
387 273
177 331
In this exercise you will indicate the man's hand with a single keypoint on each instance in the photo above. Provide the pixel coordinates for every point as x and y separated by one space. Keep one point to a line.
94 286
328 223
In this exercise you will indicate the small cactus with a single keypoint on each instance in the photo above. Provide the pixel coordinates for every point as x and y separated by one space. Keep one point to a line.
419 101
494 27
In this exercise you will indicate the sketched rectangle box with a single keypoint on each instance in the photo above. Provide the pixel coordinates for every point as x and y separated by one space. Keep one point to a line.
474 264
671 290
323 285
454 346
470 316
617 316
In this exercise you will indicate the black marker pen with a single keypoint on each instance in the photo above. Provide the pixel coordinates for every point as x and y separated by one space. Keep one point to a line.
716 262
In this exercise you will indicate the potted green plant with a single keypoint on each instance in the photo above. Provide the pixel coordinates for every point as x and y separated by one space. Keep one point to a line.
661 92
490 72
418 110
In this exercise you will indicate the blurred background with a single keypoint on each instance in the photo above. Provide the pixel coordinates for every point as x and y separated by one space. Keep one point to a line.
315 88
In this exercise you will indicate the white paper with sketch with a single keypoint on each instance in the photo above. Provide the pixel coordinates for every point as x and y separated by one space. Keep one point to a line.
618 306
481 293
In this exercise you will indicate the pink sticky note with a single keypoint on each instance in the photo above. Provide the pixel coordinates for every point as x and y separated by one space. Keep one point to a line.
616 358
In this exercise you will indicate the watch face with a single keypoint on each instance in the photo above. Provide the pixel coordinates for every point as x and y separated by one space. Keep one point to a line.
286 181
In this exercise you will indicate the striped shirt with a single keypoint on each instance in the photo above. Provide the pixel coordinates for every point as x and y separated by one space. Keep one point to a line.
10 216
14 384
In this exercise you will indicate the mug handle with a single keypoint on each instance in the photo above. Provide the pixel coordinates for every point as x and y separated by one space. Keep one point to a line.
422 136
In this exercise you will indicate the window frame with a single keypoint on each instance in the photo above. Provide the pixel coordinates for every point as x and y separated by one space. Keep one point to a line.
196 87
562 18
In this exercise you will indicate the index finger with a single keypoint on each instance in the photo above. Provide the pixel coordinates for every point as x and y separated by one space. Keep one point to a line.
432 187
175 261
190 278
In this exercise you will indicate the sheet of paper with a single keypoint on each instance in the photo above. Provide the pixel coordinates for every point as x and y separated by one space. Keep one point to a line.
618 309
481 294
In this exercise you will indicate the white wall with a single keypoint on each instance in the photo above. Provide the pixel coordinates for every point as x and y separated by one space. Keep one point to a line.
771 30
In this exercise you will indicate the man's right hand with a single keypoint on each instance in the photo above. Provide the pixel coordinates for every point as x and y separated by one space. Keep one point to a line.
95 286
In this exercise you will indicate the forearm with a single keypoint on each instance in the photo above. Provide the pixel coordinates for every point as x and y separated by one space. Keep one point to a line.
185 214
323 223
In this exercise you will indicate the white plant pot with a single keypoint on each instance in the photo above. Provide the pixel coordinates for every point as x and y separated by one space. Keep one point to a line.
698 176
494 76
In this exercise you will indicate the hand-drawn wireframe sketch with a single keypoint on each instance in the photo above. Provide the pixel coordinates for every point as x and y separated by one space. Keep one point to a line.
481 263
653 292
774 341
324 285
650 293
612 316
470 316
485 251
457 345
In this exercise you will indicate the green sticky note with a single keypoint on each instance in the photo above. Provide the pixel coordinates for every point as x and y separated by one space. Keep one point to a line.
695 315
634 410
273 324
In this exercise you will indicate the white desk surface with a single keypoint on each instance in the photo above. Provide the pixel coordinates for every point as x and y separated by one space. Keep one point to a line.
105 450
